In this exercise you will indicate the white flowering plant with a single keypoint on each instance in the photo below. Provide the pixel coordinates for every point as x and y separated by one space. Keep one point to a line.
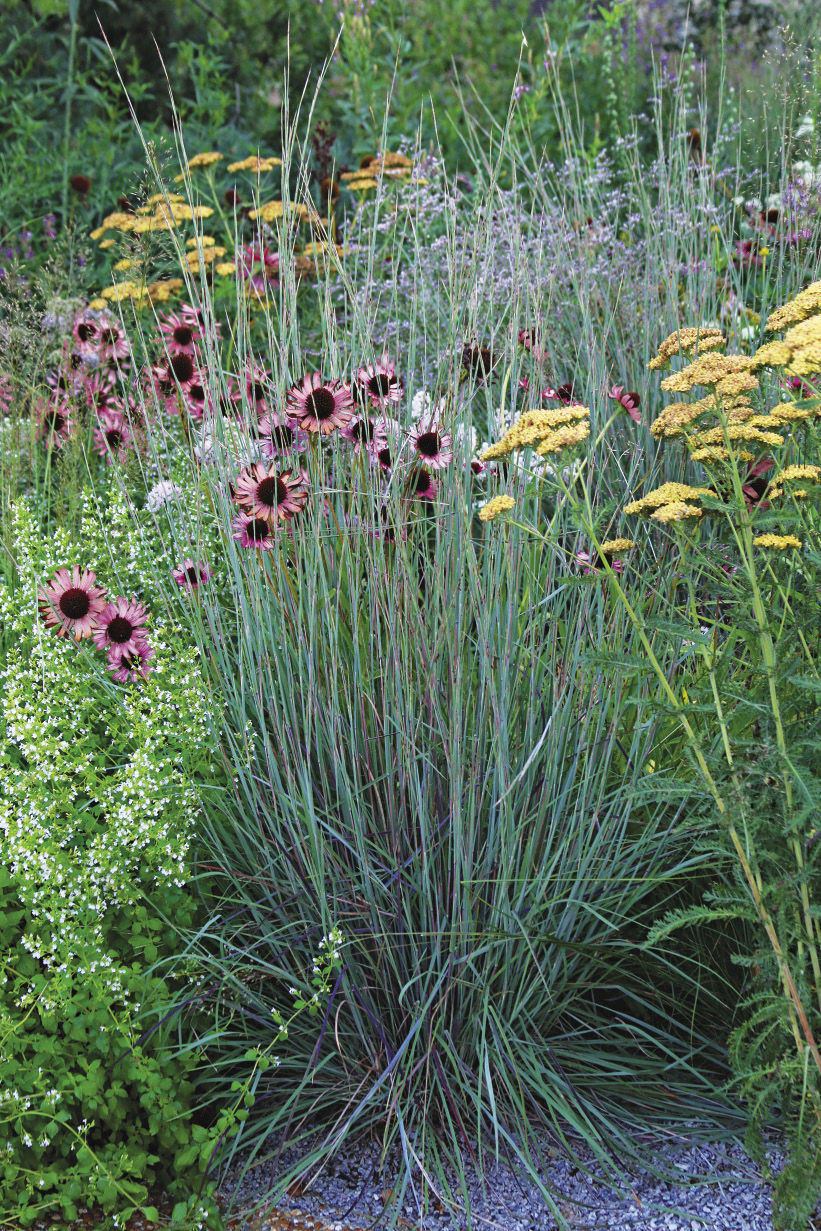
99 800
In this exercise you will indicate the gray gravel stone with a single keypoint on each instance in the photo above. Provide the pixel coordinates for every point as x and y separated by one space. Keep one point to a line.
730 1194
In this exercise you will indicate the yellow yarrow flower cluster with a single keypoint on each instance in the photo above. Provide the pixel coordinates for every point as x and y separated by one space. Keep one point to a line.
255 163
272 210
205 256
499 504
319 252
124 290
739 431
206 159
736 383
166 216
813 473
677 417
676 510
788 412
611 547
376 167
806 303
804 343
779 541
718 453
808 473
537 425
771 355
705 371
800 349
118 221
162 196
563 438
685 341
668 493
160 292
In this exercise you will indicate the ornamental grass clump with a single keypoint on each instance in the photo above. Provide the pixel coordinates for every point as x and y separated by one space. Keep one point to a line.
419 746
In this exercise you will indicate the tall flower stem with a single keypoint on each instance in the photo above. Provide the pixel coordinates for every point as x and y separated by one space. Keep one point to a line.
798 1016
744 538
74 27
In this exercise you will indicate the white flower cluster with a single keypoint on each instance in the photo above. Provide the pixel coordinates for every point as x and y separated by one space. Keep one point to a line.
96 799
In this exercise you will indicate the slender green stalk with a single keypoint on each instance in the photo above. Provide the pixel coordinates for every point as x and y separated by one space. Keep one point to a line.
74 28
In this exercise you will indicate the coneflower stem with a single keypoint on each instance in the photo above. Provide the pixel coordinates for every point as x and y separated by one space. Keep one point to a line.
73 15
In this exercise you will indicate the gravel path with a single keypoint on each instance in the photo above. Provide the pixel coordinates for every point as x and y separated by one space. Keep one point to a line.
349 1195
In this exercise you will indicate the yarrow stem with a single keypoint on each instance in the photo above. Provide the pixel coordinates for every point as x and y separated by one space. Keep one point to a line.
794 1002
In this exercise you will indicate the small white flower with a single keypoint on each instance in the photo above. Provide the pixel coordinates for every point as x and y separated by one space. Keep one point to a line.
161 493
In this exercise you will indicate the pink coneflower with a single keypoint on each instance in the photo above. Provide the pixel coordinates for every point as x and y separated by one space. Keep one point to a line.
195 317
531 340
121 627
384 457
166 377
629 400
71 602
179 336
279 436
196 396
585 560
433 448
547 393
321 406
479 361
112 343
420 485
379 382
794 384
564 394
227 402
54 421
191 574
81 184
71 373
159 381
112 436
98 391
366 432
5 394
255 532
258 265
181 368
261 491
86 332
258 386
754 484
131 667
746 254
385 528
